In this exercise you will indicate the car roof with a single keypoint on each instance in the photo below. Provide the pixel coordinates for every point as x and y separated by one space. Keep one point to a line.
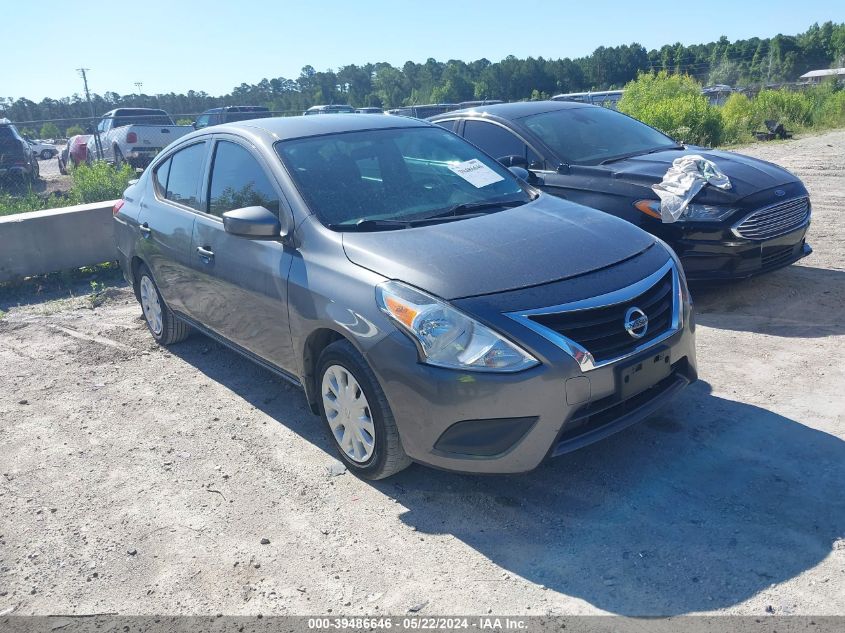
516 110
281 128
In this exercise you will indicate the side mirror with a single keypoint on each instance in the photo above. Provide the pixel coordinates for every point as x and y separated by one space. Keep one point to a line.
252 222
519 172
515 160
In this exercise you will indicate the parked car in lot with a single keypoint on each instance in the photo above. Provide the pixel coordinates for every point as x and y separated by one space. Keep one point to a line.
433 306
74 153
230 114
17 160
43 150
603 159
135 135
423 111
329 109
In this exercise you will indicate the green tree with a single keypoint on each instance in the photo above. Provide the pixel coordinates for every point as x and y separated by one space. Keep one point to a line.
50 130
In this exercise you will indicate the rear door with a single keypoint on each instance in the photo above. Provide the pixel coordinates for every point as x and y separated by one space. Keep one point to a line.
240 290
166 222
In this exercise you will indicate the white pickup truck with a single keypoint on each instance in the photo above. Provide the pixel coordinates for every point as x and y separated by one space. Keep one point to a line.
134 135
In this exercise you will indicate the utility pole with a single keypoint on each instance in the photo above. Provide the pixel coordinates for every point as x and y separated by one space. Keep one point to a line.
97 144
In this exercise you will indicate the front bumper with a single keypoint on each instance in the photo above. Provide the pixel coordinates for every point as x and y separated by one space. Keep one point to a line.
724 256
509 423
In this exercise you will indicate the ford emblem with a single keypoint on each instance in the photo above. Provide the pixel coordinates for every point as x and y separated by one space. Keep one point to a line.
780 193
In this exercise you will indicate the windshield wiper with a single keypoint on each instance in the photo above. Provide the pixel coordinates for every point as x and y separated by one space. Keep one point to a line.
650 151
371 225
455 212
467 208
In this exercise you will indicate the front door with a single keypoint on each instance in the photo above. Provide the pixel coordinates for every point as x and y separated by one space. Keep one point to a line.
240 289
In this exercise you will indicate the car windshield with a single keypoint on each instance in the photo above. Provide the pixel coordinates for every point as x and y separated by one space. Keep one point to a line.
395 176
592 135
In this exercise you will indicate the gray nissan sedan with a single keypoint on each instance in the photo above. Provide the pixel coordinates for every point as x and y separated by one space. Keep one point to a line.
433 306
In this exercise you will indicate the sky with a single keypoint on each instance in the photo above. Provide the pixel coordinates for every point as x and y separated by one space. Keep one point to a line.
215 45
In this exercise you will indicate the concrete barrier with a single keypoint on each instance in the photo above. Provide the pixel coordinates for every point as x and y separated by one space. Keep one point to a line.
47 241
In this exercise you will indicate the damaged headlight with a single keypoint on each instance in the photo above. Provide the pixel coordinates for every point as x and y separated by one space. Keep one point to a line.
445 336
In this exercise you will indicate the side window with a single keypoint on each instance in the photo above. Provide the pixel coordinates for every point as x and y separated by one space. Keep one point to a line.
161 173
237 180
449 125
183 179
202 121
499 142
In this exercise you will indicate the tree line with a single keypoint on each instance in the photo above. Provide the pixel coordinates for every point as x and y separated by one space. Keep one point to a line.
753 61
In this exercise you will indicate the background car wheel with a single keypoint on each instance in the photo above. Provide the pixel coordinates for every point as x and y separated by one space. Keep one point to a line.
356 411
162 323
46 154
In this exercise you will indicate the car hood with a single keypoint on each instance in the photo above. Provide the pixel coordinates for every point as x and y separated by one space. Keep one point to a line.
546 240
747 175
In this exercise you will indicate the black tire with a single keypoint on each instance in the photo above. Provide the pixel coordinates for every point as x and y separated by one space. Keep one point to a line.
388 456
173 330
46 154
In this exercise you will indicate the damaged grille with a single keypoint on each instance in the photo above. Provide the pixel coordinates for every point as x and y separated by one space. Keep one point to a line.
775 220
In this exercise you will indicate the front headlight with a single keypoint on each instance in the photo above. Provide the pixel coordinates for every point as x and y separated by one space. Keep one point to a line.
445 336
693 212
705 213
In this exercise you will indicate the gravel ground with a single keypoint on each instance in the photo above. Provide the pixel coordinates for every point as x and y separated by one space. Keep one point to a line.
138 480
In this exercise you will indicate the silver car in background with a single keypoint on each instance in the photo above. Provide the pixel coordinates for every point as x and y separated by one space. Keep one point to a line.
433 306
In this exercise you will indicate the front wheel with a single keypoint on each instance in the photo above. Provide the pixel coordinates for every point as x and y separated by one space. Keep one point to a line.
46 154
357 413
162 323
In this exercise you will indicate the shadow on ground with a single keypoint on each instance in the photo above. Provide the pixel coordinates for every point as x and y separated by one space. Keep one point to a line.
698 508
796 301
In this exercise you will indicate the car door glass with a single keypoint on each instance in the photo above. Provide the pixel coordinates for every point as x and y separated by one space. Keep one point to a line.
184 176
202 121
499 142
448 125
160 175
238 180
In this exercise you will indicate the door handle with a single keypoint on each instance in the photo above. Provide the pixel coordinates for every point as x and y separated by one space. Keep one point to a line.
145 229
205 254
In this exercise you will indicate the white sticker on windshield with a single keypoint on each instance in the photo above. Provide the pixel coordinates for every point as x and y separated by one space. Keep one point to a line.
476 173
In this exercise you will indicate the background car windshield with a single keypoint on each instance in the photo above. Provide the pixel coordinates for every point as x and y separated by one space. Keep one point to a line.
590 135
395 174
142 117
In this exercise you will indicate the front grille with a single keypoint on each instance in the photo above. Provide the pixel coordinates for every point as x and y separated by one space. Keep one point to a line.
775 220
601 331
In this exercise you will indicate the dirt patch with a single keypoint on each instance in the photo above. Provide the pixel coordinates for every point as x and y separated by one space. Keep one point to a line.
139 480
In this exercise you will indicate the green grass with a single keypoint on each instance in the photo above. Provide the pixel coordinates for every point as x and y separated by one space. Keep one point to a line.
95 183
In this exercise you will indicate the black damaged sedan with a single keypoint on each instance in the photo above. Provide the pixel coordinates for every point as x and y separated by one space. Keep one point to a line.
607 160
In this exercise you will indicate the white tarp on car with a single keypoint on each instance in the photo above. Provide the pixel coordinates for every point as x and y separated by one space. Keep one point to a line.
684 179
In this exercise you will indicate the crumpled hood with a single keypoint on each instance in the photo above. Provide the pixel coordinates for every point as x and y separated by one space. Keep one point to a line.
546 240
747 175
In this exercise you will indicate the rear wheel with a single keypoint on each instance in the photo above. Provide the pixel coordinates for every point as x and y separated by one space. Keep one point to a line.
162 323
357 413
46 154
